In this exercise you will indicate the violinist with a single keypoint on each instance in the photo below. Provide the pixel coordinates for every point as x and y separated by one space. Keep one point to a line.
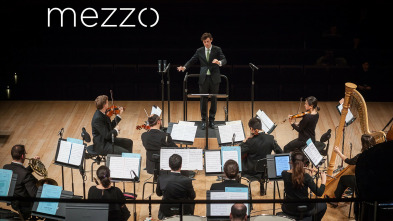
306 127
256 147
153 140
105 131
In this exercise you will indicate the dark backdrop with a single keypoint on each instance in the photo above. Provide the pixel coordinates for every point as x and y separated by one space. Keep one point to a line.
283 38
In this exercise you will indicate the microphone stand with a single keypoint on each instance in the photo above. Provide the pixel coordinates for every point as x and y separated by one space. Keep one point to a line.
168 83
252 91
134 180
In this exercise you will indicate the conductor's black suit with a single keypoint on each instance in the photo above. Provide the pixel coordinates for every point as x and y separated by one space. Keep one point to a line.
209 76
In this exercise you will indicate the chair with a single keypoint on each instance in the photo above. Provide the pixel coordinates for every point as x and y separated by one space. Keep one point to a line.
156 160
97 158
261 176
322 147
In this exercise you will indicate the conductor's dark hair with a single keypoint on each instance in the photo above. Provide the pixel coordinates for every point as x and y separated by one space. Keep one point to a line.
312 101
17 151
206 35
175 162
152 120
255 123
231 169
104 174
238 211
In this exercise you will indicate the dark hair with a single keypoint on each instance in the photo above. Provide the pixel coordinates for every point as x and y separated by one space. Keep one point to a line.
206 35
17 151
255 123
238 211
104 174
297 159
367 141
101 101
312 101
153 120
231 169
175 162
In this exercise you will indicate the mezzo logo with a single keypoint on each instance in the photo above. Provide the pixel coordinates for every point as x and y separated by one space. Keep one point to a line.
89 17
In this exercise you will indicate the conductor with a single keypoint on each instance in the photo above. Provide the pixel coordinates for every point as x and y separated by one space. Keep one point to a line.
211 59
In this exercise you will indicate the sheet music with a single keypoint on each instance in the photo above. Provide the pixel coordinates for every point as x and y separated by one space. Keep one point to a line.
121 167
213 161
156 110
233 122
312 152
191 158
195 159
64 151
226 131
349 116
267 123
76 154
183 132
224 209
49 191
5 181
231 153
189 123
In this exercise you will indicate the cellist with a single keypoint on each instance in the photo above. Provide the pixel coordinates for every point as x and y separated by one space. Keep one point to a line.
105 131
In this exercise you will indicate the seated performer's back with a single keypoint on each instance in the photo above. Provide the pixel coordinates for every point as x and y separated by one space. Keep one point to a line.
153 140
231 170
26 183
174 186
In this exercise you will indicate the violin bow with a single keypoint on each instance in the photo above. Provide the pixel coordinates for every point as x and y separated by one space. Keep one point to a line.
300 104
113 106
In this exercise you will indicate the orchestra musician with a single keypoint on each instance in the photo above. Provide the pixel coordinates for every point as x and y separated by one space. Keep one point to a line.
238 212
256 147
231 170
296 184
26 183
306 127
153 140
105 132
349 180
211 59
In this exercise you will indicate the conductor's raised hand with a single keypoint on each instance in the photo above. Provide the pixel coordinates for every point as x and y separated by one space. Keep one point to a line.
181 68
215 61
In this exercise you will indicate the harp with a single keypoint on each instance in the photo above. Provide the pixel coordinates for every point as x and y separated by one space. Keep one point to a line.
354 100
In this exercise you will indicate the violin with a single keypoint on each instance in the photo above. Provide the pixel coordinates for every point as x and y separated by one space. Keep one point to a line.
113 110
143 126
299 115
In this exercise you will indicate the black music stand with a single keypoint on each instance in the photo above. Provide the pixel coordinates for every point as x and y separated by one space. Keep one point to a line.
12 187
233 142
207 112
162 73
71 166
61 210
86 211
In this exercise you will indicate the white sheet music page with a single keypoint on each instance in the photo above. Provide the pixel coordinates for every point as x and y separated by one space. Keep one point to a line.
116 166
195 159
349 116
237 129
312 152
229 155
76 154
64 151
164 158
130 163
226 134
156 110
220 209
183 132
213 161
189 123
267 123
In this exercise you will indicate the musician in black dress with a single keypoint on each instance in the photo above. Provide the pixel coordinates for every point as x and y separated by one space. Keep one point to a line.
349 180
153 140
306 127
105 191
296 184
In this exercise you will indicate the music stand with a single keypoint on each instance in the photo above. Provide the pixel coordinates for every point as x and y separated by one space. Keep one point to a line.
207 112
86 211
162 73
233 142
61 210
69 164
12 187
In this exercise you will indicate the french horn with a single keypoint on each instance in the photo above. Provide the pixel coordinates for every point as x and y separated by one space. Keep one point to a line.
39 168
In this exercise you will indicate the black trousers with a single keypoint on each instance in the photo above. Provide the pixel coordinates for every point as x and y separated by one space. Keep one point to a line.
345 182
122 145
293 145
208 87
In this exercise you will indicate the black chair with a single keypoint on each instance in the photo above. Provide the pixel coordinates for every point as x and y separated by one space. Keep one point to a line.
261 176
322 147
303 213
156 160
97 158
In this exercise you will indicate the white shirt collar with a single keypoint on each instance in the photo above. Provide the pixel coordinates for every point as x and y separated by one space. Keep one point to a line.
18 163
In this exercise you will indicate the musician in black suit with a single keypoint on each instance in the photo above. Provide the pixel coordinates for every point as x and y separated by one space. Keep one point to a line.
174 186
211 59
153 140
26 183
231 170
238 212
256 147
105 132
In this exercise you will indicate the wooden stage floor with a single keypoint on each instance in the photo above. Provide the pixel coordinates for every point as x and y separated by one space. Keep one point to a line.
36 124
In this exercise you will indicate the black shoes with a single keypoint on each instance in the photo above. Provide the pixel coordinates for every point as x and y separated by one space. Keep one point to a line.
203 127
212 124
